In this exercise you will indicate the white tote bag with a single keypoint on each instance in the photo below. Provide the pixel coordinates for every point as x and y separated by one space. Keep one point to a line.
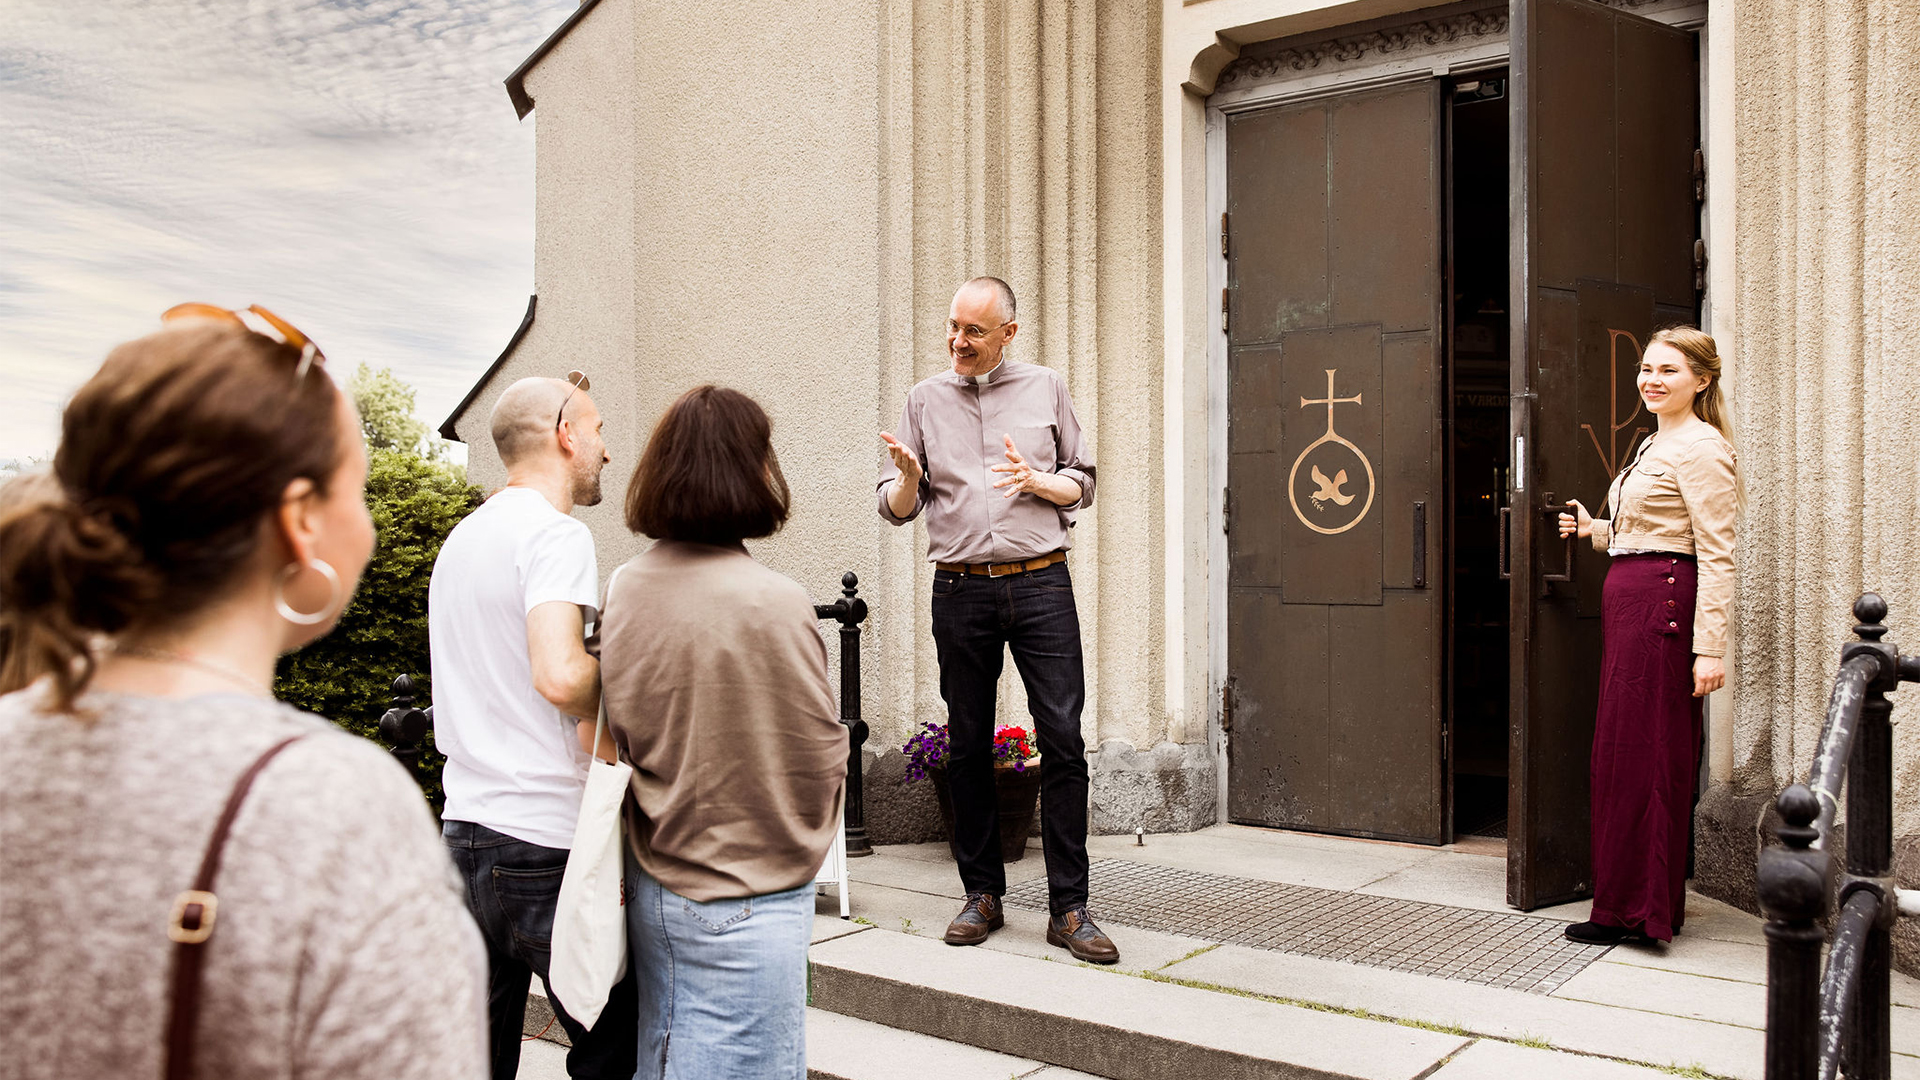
590 924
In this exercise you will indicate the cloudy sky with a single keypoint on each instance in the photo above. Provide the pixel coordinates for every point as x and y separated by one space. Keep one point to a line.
353 165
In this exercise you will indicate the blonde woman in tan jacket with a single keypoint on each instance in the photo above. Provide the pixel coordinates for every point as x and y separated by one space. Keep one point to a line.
1664 620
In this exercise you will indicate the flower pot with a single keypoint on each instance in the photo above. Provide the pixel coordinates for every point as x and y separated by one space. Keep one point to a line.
1019 794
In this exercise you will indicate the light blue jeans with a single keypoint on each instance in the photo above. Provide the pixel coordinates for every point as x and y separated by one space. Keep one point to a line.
723 983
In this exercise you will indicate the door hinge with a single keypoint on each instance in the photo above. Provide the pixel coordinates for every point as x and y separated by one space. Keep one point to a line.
1224 249
1224 324
1226 510
1226 706
1699 266
1699 176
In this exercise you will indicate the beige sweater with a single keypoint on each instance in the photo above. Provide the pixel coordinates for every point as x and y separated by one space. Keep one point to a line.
342 947
715 682
1680 495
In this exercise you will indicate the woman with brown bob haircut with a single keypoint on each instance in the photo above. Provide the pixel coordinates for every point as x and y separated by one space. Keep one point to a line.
178 845
714 680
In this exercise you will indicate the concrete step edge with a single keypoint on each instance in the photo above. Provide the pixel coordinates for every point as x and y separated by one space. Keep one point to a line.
1104 1023
845 1048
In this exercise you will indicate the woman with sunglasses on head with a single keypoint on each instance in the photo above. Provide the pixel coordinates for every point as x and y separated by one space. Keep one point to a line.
200 881
1663 618
714 680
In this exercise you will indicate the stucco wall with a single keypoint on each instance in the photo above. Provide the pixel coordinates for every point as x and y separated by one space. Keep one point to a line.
1022 141
783 200
586 147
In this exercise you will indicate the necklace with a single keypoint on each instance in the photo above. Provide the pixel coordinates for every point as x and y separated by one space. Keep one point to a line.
208 666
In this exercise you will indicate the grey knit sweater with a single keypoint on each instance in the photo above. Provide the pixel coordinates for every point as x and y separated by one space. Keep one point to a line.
342 947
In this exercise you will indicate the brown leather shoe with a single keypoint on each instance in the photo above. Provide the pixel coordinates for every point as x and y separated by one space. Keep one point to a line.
1073 930
981 916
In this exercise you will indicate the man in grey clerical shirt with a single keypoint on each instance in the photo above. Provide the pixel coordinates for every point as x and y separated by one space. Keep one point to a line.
992 453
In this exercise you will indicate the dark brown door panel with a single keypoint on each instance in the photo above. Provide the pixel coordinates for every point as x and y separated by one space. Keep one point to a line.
1333 633
1603 115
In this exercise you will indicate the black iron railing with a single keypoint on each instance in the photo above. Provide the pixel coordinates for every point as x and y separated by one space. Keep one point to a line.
405 728
1819 1024
850 611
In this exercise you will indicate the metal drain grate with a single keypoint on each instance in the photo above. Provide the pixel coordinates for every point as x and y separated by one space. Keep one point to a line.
1487 947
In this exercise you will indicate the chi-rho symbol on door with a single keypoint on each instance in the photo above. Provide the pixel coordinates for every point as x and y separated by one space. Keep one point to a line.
1338 477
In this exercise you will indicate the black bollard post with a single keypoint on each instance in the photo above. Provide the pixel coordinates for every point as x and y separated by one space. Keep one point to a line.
403 726
850 611
1868 1042
1793 893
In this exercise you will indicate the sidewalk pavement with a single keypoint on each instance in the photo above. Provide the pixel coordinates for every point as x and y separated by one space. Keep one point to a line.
1254 952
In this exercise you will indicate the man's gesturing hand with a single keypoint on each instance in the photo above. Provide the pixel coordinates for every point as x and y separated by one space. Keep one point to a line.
905 492
1058 490
1020 475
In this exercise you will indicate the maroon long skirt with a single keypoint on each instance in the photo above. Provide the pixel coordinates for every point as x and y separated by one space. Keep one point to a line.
1646 745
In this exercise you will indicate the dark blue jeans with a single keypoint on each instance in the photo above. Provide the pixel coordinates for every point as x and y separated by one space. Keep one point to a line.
976 621
512 890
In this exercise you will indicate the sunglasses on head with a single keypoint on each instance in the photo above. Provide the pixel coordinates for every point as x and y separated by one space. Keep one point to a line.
283 331
580 382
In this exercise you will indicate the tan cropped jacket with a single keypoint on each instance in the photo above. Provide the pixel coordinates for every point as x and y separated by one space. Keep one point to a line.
1679 495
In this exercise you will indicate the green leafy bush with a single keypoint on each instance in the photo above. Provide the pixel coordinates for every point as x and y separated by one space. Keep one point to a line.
415 499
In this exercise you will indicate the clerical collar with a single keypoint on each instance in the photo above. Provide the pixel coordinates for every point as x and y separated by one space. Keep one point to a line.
986 376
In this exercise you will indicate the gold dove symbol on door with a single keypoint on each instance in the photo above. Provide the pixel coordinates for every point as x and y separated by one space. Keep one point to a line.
1329 490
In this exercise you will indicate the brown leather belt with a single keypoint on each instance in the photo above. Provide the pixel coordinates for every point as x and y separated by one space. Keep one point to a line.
1002 569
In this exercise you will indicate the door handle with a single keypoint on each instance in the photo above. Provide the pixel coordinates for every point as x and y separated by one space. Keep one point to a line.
1552 511
1419 545
1505 564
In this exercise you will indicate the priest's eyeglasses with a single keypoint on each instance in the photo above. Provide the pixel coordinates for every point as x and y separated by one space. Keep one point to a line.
969 332
283 331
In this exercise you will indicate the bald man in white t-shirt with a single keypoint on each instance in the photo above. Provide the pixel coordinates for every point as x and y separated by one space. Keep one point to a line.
515 693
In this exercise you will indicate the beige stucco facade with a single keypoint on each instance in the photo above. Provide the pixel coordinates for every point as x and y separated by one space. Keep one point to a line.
781 197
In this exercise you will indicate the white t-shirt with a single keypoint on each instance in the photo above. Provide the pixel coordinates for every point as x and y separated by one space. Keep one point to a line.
514 763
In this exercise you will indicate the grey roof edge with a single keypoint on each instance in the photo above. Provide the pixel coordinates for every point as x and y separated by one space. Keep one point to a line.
447 430
517 82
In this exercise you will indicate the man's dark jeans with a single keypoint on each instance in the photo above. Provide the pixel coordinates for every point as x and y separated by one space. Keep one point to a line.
512 890
976 620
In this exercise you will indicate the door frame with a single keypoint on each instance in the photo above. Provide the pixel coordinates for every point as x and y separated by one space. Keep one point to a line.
1490 52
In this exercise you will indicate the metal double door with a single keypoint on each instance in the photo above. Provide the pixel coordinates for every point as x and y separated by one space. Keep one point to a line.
1338 565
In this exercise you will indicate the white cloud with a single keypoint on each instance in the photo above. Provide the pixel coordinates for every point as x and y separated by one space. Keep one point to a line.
354 166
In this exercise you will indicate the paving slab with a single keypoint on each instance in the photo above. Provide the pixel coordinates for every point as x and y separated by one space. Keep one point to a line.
1738 960
542 1060
1583 1027
827 923
1717 920
1905 990
1674 993
844 1048
1025 933
1106 1023
1263 855
1491 1059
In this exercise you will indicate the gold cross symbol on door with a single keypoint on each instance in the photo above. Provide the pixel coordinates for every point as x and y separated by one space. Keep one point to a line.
1329 491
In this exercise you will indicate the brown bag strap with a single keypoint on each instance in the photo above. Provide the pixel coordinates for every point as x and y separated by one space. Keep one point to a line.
192 924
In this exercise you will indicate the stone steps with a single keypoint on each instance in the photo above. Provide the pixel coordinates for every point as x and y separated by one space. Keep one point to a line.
844 1048
1105 1023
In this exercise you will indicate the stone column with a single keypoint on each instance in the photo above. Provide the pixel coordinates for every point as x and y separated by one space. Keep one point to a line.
1022 140
1826 248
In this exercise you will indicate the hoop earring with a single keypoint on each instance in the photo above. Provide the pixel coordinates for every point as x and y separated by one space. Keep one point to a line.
299 618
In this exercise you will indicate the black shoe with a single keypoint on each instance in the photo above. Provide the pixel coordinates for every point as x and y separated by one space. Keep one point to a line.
1073 930
981 916
1593 933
